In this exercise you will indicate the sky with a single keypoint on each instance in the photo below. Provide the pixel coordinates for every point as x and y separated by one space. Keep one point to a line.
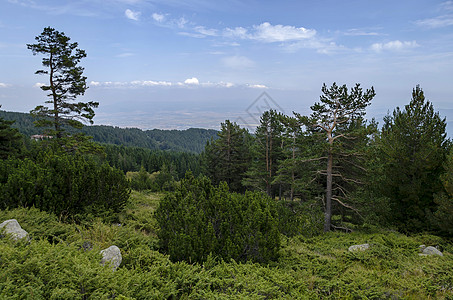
174 64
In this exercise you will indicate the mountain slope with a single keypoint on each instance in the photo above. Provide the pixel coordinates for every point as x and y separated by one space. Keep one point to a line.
190 140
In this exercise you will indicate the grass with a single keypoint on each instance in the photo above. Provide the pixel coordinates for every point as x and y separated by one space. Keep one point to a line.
53 265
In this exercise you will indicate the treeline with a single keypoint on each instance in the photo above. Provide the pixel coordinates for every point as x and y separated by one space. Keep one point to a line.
398 176
132 159
191 140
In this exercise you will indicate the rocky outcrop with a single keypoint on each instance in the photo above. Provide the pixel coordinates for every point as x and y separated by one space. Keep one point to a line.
113 256
362 247
13 228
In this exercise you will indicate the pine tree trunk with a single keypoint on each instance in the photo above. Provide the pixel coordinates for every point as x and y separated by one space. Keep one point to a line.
328 212
293 176
57 124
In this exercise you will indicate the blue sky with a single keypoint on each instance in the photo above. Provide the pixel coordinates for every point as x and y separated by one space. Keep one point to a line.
180 64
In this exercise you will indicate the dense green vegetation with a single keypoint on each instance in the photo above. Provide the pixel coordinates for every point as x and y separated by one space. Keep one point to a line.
201 220
10 139
133 158
54 264
71 186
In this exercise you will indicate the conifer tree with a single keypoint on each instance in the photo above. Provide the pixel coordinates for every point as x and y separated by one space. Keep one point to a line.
443 216
227 158
337 112
266 153
413 147
9 139
66 83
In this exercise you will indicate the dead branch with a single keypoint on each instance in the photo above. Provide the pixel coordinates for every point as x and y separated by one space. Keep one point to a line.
347 206
347 230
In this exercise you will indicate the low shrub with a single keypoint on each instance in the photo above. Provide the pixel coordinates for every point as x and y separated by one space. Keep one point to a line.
71 186
200 219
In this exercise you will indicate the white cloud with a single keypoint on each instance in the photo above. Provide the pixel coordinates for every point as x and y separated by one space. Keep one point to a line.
192 81
218 84
39 84
226 84
237 62
360 32
268 33
437 22
151 83
200 32
443 20
322 46
394 46
4 85
257 86
158 17
132 15
205 31
264 32
191 34
181 22
238 32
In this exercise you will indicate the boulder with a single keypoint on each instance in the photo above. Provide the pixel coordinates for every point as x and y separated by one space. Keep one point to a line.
362 247
430 250
113 256
13 228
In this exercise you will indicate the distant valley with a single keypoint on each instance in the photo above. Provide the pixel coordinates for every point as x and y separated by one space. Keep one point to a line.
192 140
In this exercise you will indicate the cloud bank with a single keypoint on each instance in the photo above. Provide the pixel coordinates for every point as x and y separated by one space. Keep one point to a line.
189 82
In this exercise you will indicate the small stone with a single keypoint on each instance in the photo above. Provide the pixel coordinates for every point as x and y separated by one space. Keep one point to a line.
113 255
13 228
432 251
362 247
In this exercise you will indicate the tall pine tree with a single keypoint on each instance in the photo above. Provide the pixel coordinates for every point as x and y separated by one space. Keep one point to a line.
334 117
66 83
412 147
228 157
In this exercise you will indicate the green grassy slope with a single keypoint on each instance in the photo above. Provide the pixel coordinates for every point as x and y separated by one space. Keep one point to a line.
53 265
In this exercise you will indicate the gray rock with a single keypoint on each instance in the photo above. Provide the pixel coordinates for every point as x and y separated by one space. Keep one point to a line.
362 247
13 228
113 255
431 251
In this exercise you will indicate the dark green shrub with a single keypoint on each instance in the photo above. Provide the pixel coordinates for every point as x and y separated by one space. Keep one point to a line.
300 218
67 185
200 219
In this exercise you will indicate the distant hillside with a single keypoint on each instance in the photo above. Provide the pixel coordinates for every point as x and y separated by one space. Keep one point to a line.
190 140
